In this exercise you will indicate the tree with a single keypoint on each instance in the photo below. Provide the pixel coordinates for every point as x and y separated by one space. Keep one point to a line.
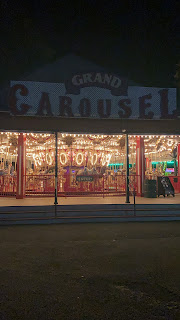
177 75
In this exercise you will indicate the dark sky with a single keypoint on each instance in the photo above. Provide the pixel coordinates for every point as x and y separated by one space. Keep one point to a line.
140 39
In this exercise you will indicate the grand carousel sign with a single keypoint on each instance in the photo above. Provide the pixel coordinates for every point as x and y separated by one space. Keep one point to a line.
92 95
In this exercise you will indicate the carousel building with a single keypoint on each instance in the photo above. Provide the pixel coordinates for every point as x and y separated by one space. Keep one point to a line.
75 129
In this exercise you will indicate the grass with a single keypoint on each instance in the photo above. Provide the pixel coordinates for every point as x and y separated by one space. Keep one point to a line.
90 271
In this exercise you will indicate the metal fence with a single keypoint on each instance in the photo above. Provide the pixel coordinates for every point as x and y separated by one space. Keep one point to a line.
8 185
44 185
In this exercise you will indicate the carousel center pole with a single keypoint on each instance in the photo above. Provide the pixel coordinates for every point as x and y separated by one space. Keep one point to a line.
56 170
127 168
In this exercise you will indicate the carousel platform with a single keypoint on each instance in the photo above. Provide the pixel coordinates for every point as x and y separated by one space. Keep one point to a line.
87 209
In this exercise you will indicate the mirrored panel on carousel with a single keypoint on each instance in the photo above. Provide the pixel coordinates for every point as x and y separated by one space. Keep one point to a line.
40 165
162 164
161 155
95 165
91 164
88 165
8 163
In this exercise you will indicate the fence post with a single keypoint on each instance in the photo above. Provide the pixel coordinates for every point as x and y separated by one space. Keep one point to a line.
103 185
134 194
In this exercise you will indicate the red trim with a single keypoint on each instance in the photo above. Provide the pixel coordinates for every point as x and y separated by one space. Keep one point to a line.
178 158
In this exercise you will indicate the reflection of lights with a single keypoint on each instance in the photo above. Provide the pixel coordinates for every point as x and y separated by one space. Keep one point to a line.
160 146
94 160
108 158
63 162
103 160
81 156
170 143
49 161
38 158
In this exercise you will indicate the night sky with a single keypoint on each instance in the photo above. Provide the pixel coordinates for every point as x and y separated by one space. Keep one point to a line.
139 40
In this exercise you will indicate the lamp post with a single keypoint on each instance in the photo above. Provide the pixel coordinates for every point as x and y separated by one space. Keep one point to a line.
127 168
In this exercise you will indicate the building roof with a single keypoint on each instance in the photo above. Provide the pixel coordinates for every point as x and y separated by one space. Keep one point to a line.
64 68
57 72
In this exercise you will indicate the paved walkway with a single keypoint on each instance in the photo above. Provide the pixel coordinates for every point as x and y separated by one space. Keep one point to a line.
4 201
90 271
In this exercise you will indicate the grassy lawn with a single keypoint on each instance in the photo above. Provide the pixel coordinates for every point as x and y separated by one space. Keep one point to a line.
90 271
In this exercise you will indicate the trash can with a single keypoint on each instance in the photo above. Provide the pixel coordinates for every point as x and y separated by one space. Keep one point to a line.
150 189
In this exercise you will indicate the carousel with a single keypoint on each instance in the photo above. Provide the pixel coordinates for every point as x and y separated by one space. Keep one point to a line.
87 164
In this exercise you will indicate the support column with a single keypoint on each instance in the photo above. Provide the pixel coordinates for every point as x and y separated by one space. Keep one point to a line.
21 166
140 165
178 158
147 163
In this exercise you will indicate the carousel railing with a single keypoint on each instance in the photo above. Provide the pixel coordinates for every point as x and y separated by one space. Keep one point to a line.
84 186
39 185
8 185
43 185
69 185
